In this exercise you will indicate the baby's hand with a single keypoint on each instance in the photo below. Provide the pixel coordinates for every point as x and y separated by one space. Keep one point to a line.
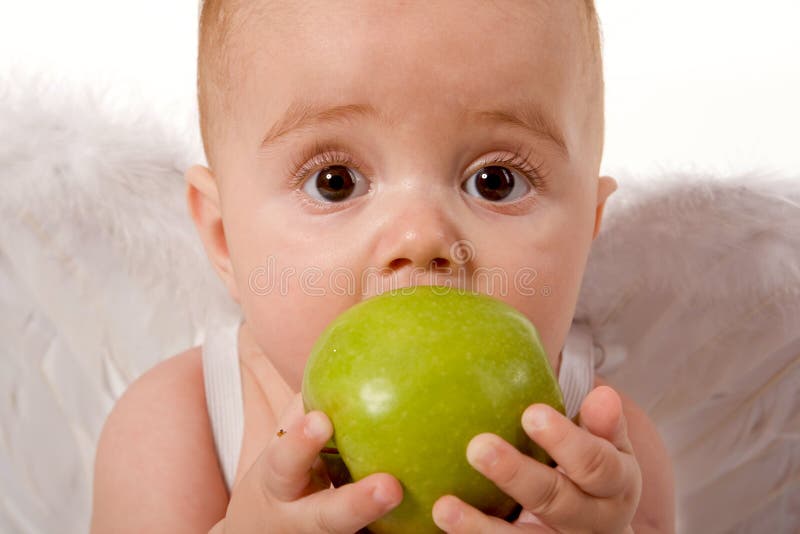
595 488
286 489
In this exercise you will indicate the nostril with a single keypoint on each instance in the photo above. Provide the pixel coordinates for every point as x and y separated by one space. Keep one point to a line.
398 263
440 263
436 263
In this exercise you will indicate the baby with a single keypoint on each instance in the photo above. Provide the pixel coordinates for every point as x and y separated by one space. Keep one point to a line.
357 146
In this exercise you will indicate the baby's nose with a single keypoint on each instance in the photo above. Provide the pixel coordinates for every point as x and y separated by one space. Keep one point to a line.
417 233
419 254
411 258
420 238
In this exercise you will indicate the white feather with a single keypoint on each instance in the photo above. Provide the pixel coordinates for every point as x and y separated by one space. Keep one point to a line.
695 280
102 276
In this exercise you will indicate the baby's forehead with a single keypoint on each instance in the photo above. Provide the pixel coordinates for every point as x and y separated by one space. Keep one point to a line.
257 22
267 47
383 36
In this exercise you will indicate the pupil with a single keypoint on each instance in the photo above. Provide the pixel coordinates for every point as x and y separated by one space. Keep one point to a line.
494 183
335 183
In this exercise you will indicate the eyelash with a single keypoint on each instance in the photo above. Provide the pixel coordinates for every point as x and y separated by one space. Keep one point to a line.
319 155
534 172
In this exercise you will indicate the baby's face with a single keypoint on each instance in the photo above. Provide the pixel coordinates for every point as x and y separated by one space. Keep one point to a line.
443 142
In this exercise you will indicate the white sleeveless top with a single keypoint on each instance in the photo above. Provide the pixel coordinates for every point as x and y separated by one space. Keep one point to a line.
223 385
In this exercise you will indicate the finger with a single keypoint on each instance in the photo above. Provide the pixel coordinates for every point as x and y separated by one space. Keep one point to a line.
453 515
591 462
602 415
539 488
350 507
526 517
291 453
319 475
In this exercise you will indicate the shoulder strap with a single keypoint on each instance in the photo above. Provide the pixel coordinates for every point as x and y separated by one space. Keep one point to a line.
576 374
223 386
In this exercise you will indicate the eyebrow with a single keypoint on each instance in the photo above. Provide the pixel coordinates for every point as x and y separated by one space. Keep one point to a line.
528 115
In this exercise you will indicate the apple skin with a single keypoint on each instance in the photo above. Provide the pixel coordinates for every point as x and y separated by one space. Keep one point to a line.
409 377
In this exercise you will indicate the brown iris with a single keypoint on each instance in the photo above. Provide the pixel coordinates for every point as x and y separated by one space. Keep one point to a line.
494 183
335 183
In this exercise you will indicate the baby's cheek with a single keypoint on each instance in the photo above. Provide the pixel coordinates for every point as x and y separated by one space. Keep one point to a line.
551 317
286 325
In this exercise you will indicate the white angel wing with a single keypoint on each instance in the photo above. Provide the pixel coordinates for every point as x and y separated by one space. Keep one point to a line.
692 292
96 249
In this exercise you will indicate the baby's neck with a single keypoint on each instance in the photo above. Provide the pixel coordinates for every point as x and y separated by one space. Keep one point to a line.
274 388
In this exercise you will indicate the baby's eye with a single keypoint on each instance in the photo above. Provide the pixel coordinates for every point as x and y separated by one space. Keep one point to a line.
335 183
496 184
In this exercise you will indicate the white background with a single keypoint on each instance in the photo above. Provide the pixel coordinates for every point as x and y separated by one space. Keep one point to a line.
709 84
712 84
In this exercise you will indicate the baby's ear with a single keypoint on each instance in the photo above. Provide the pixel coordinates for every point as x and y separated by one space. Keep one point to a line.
202 196
605 186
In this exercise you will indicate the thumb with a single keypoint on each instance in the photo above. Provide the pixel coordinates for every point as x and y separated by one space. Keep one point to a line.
602 415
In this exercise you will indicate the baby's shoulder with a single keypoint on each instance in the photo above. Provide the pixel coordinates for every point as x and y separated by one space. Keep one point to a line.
176 379
658 483
643 433
157 448
167 403
171 394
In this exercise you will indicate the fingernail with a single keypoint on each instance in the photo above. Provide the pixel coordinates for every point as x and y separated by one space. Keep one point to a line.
535 419
383 496
447 515
481 453
314 427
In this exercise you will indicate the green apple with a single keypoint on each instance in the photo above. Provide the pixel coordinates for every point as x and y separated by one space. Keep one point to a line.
409 377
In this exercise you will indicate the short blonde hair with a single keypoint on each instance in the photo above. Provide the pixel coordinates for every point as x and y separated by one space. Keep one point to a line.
217 66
